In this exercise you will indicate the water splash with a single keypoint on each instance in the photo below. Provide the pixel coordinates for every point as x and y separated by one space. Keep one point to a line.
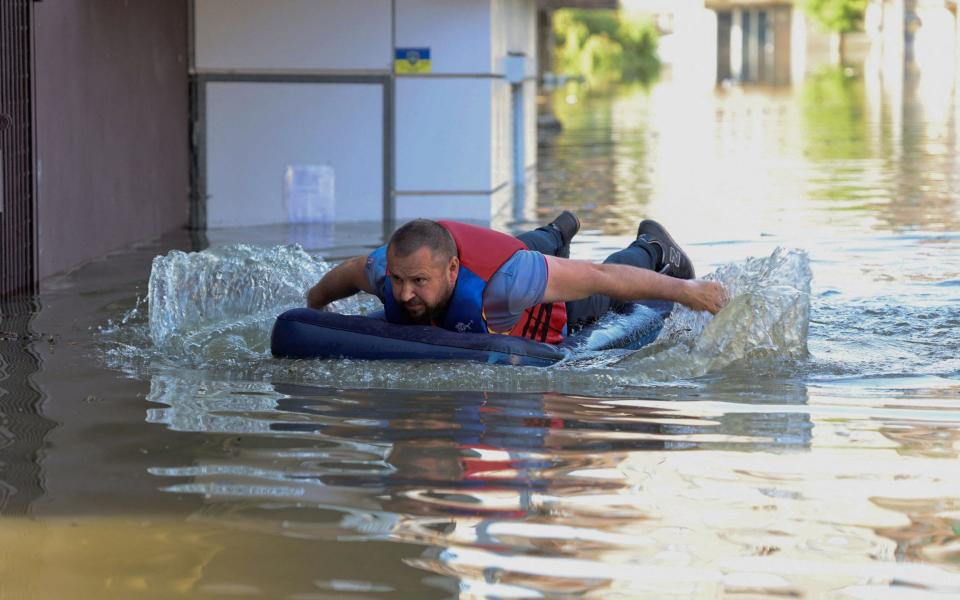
221 303
215 309
766 320
191 292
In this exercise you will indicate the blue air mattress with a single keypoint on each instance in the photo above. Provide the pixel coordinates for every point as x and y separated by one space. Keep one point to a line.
308 333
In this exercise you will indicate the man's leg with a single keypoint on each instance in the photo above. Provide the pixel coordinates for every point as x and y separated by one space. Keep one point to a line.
553 239
580 313
545 240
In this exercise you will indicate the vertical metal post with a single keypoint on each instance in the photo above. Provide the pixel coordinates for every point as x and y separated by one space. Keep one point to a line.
515 71
389 111
724 25
736 45
389 134
519 173
751 43
766 43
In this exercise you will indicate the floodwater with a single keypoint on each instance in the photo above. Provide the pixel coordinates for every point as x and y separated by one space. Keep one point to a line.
803 443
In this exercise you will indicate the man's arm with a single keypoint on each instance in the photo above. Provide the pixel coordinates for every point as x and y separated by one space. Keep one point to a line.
346 279
569 280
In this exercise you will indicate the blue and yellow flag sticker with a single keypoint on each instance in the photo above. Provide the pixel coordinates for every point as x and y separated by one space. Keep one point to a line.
411 60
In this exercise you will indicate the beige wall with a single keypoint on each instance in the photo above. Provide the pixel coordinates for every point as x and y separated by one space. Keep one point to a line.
112 114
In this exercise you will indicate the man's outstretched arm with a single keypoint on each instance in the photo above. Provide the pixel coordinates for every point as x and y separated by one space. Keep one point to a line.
346 279
569 280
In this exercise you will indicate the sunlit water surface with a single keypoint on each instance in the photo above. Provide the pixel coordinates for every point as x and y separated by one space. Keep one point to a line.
802 443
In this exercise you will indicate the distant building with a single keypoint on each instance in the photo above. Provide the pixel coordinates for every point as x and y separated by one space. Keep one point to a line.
774 42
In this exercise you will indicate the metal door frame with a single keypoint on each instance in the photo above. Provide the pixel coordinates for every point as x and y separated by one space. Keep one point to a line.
198 130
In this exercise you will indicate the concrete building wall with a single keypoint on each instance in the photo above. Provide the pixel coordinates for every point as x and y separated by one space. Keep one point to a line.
455 138
457 33
443 130
112 109
452 127
292 35
514 31
443 119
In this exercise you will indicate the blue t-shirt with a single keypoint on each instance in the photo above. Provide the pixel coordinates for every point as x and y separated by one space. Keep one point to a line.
516 286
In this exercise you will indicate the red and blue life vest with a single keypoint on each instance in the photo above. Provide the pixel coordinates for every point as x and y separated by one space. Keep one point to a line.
482 252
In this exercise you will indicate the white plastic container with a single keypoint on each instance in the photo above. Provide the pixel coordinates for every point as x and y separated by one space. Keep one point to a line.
308 193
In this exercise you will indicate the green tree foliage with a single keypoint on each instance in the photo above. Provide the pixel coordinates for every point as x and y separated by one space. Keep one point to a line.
834 113
605 45
840 16
600 54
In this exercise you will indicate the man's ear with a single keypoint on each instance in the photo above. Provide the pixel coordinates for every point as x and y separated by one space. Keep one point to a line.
454 265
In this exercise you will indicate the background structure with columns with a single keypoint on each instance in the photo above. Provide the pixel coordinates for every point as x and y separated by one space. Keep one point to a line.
774 42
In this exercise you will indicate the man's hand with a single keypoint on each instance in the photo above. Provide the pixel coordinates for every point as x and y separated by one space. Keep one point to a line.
705 295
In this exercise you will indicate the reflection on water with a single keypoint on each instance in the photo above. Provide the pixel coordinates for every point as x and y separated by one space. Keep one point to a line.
544 493
753 160
802 444
22 425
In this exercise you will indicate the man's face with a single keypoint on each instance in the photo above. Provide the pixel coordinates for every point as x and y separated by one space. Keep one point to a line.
422 283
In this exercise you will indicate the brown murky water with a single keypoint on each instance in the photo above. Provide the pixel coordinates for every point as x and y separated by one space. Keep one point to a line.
829 469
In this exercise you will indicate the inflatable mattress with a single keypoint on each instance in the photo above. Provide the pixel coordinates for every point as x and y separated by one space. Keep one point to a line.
309 333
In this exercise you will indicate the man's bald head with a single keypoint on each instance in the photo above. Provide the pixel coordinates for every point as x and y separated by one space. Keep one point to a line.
422 233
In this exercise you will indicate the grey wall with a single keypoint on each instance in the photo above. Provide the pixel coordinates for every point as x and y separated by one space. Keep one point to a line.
112 113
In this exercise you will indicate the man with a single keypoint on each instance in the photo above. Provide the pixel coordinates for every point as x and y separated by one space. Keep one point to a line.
470 279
